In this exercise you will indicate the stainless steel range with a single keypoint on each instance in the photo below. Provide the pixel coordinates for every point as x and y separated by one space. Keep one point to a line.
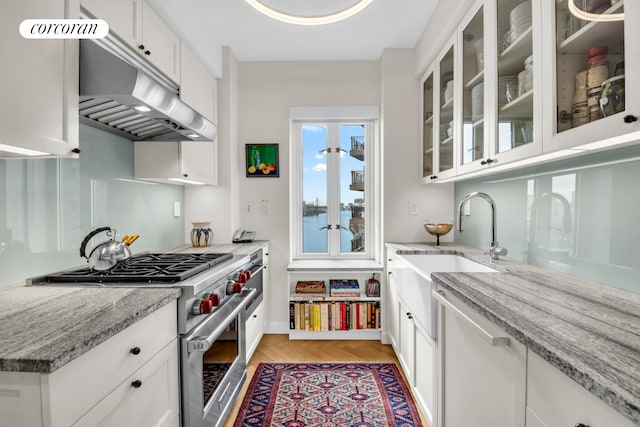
219 291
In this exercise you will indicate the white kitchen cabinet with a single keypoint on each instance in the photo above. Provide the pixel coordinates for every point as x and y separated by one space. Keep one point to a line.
123 17
425 373
553 399
198 88
392 305
406 356
159 43
254 326
137 24
39 85
483 370
568 40
176 162
100 387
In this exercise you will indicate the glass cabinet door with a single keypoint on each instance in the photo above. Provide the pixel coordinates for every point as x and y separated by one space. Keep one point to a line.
515 94
427 132
473 119
445 122
590 63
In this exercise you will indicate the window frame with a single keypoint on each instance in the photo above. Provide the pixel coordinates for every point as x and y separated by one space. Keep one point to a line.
336 117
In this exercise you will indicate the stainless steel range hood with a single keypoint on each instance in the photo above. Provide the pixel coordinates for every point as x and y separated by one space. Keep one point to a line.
120 94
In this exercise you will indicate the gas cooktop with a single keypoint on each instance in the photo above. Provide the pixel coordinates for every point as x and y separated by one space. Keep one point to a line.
142 268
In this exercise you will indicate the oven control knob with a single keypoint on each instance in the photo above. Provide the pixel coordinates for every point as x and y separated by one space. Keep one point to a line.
234 288
202 306
245 276
215 299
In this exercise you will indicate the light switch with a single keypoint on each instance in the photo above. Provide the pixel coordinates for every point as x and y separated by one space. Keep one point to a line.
176 209
265 207
413 207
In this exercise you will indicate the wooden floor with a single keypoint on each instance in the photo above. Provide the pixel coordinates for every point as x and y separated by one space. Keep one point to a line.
278 348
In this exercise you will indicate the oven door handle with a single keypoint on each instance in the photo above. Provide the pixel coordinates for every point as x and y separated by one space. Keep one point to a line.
201 343
260 268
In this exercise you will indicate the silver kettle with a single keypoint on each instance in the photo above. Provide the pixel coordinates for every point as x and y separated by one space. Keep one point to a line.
108 253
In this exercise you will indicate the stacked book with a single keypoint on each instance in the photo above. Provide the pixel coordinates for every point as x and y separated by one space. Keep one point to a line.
310 287
344 288
333 316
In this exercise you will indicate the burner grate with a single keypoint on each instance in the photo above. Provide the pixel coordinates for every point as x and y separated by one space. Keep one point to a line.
145 268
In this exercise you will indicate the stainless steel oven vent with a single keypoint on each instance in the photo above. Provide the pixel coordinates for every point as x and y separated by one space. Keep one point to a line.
121 95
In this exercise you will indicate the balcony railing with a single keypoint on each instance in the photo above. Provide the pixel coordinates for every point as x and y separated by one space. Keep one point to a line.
357 181
357 147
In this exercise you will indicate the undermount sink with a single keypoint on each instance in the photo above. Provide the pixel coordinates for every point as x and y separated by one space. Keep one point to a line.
413 277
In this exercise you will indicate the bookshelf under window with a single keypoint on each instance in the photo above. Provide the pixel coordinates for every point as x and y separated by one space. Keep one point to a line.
335 299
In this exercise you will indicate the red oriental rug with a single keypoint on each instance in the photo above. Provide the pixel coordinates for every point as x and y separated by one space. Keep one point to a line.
327 395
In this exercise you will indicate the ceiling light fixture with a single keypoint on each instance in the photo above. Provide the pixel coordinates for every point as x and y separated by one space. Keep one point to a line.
309 20
579 13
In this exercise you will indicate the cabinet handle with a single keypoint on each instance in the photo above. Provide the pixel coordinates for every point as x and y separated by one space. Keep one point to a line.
493 341
135 351
136 384
141 47
581 425
255 316
628 119
433 177
147 52
186 175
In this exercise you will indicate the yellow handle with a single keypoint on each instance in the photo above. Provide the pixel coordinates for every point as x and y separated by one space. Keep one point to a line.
130 239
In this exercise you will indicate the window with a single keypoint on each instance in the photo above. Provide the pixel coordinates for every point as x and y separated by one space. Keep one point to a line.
333 187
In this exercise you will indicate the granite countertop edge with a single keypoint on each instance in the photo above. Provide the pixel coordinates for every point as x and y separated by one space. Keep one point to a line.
55 357
621 400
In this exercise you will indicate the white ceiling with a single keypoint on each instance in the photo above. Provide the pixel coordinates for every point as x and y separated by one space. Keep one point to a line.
208 25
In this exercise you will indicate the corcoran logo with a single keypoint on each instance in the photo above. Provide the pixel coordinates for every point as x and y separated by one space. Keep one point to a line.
64 28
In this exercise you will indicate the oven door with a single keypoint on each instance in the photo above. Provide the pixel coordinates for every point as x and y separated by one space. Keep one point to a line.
213 364
255 282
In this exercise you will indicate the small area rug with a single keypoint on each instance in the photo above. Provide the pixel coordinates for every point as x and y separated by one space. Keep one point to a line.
327 395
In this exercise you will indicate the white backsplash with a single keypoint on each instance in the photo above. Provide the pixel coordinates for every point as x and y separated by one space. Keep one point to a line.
47 206
579 216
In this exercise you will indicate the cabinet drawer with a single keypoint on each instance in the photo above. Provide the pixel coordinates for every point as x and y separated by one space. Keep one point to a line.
554 399
149 397
254 328
85 381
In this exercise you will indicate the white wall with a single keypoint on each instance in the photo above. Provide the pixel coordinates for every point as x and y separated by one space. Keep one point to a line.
402 155
267 90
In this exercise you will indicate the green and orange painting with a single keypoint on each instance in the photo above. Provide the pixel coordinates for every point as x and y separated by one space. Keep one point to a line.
262 160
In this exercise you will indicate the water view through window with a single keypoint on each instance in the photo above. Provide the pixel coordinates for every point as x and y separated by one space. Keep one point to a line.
333 188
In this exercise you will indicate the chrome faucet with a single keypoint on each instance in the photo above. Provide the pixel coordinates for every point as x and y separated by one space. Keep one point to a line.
494 250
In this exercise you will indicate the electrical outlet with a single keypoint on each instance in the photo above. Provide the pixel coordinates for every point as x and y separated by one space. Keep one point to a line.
466 211
248 209
176 209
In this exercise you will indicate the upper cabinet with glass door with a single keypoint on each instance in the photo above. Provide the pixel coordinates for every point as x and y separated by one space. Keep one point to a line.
427 128
518 98
472 139
591 71
438 108
444 160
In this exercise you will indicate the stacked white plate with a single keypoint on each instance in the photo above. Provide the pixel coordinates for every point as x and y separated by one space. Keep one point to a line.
477 102
520 20
507 89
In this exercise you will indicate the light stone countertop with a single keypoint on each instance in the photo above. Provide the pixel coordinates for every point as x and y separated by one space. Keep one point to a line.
589 331
45 327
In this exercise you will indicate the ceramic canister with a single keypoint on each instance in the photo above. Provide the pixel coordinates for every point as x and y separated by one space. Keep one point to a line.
201 234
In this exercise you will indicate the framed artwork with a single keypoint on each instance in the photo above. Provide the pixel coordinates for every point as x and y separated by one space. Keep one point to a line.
262 160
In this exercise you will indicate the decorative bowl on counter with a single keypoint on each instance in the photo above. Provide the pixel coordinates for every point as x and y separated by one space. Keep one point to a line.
437 229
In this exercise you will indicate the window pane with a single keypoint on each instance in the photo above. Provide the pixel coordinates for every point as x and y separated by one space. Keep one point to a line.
352 188
314 189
